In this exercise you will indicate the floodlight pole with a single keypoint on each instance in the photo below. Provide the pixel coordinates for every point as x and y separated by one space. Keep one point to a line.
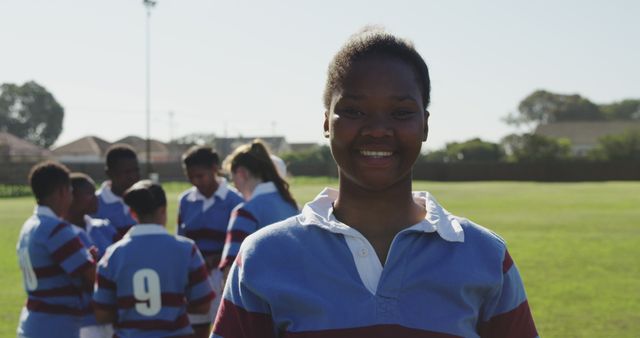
149 4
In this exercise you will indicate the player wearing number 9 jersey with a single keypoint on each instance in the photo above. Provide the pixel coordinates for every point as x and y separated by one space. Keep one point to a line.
149 280
55 264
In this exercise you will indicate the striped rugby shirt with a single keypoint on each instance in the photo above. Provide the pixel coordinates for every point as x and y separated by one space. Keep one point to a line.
313 276
113 208
150 276
266 206
205 220
52 258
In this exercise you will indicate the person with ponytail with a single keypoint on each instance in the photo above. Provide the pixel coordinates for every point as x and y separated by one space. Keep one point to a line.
266 194
149 280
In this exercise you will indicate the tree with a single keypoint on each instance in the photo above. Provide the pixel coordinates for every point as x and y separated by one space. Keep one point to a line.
543 107
474 150
621 147
536 148
31 113
622 110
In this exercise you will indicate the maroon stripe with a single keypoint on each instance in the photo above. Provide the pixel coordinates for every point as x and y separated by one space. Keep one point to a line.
167 299
68 290
198 276
378 331
156 324
48 271
105 283
103 306
82 268
194 249
57 229
515 323
68 249
234 321
206 299
40 306
507 262
244 213
236 236
210 234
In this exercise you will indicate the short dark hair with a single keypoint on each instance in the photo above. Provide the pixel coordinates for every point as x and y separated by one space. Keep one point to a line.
200 156
145 197
80 180
370 41
118 152
45 177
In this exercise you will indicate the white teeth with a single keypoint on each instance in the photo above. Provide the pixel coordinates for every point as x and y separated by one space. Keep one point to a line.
376 154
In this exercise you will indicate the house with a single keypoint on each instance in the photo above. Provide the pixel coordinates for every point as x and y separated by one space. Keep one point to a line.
88 149
14 149
225 146
584 135
160 152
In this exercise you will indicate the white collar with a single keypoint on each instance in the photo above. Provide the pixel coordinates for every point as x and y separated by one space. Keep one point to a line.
42 210
107 195
146 229
263 188
319 212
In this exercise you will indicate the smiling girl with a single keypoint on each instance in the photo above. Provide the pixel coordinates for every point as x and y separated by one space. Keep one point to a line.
373 258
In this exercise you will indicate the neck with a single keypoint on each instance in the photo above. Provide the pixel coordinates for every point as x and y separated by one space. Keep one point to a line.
76 219
386 211
250 186
53 204
117 191
149 219
209 191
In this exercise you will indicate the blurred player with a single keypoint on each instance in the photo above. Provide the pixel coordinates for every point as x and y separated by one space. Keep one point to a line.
266 193
149 280
123 171
96 234
56 265
203 215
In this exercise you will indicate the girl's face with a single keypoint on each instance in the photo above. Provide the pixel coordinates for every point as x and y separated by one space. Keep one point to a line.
377 123
203 178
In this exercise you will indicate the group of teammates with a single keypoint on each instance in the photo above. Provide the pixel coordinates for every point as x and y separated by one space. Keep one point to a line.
101 264
371 259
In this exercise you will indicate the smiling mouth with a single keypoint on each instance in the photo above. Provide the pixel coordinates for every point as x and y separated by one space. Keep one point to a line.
375 154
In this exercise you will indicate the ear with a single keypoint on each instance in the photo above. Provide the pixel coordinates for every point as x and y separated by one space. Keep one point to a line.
326 124
426 125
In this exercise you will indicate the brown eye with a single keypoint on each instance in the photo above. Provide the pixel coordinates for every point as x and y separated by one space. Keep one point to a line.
403 114
350 113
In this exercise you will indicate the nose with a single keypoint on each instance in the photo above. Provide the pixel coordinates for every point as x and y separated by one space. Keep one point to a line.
377 126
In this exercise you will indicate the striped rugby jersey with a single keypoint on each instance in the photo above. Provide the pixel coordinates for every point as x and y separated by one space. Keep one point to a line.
89 319
150 276
265 207
113 208
313 276
205 220
52 258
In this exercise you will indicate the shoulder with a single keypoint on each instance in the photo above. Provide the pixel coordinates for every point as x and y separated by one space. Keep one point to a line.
281 237
183 195
233 196
184 241
476 239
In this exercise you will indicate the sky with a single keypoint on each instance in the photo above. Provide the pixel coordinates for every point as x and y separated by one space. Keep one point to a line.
258 68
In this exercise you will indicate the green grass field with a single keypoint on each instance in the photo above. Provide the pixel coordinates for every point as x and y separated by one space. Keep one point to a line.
577 246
